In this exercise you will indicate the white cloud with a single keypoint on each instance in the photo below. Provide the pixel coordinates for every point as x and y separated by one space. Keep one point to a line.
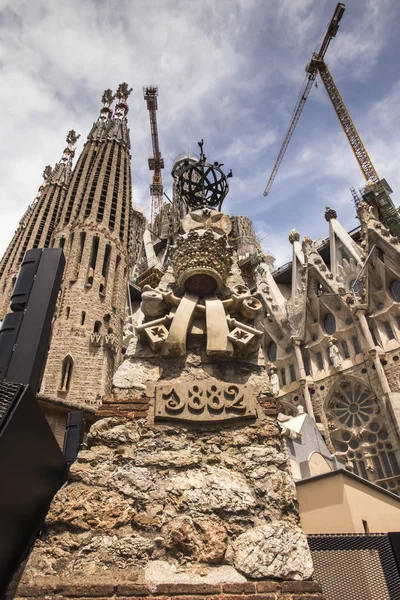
227 71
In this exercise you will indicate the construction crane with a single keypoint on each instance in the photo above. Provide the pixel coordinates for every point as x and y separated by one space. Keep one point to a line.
376 191
156 162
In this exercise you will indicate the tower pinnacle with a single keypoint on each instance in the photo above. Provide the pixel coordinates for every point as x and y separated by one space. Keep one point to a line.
62 171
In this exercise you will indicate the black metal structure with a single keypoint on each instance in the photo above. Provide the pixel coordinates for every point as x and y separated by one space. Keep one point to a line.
32 469
203 185
360 567
32 466
74 435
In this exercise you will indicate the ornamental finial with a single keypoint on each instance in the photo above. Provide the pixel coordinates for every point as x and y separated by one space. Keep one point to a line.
294 236
47 172
123 92
72 137
107 98
330 213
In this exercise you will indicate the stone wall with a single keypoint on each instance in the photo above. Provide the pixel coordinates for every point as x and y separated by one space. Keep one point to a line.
174 504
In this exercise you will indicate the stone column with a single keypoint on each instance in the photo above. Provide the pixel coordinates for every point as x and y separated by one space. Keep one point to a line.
302 378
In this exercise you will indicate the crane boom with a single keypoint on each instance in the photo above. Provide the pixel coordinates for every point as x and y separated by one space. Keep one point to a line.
346 122
156 162
312 70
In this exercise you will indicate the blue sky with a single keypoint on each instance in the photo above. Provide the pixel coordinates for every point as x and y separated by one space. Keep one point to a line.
228 71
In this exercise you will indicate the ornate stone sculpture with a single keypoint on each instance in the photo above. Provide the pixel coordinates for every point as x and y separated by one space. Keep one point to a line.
274 381
334 354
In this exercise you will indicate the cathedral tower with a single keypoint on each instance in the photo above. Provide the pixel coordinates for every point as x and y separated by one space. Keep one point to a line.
93 228
36 226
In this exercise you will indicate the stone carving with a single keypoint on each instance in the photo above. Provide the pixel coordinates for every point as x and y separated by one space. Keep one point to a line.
334 354
208 401
207 218
202 261
330 213
294 236
107 97
274 381
123 92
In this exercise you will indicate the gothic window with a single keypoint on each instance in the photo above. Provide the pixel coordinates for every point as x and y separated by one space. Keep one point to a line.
97 327
116 280
272 351
356 344
292 373
395 290
345 349
104 271
306 362
93 259
320 361
283 376
389 330
66 373
329 323
114 201
360 436
83 317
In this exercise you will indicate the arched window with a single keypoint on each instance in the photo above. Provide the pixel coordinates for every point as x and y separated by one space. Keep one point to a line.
306 362
292 372
329 323
104 271
395 290
320 361
66 373
345 349
67 312
83 317
272 351
283 376
97 327
356 344
93 259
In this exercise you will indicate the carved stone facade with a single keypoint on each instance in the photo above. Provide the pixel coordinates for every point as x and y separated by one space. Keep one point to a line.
186 479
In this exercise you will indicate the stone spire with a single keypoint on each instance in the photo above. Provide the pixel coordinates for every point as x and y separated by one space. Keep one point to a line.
63 169
37 224
94 228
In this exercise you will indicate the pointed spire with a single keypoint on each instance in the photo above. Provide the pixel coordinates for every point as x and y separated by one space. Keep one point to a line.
120 129
63 169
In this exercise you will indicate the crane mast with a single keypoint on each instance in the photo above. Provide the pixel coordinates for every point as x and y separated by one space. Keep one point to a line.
156 162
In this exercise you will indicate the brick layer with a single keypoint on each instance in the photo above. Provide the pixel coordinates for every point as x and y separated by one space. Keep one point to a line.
261 590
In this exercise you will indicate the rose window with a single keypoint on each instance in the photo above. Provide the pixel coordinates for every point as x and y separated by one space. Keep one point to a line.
360 436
